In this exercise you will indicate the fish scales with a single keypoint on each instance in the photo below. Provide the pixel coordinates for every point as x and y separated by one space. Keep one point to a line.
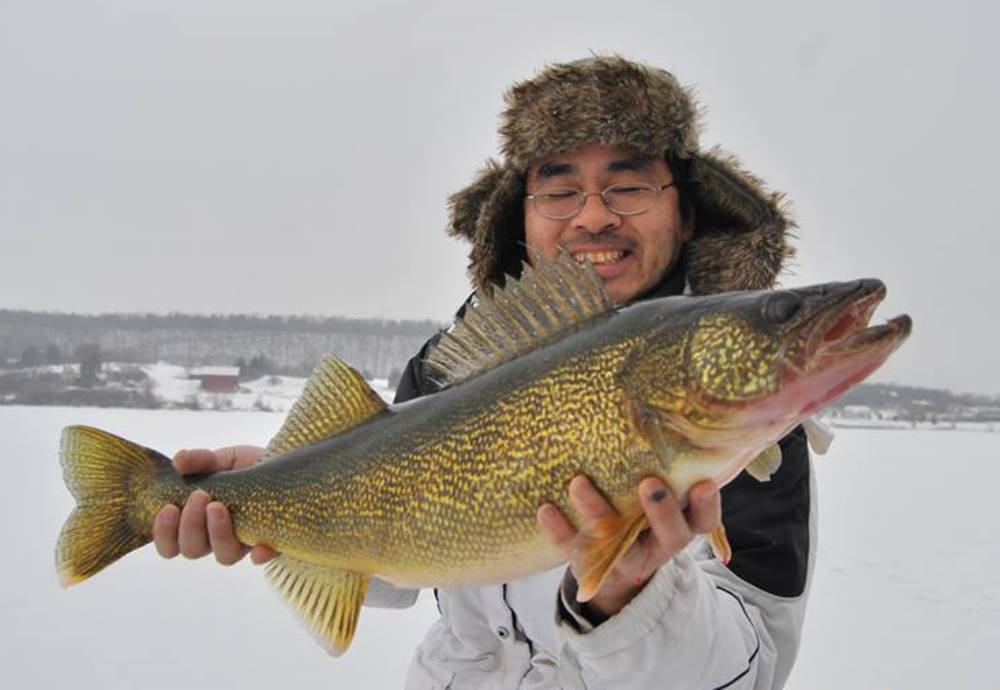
417 502
445 490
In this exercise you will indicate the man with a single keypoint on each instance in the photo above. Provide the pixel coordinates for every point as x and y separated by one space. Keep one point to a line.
602 161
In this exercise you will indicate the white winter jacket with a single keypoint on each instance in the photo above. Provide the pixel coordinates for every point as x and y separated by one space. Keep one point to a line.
695 625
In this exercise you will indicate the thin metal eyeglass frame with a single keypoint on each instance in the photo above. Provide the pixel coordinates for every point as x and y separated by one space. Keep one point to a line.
581 199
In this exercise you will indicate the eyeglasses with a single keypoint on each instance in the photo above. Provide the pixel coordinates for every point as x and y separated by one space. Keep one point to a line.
621 199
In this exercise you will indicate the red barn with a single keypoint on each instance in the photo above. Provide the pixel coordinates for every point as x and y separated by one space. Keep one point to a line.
217 379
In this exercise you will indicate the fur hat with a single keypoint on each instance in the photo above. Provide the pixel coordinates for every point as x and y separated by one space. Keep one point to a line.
741 232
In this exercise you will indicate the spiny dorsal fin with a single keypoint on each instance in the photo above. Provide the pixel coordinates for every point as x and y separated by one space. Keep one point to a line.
545 302
336 398
328 599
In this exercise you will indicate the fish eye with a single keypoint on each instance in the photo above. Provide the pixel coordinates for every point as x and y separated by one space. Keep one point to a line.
781 306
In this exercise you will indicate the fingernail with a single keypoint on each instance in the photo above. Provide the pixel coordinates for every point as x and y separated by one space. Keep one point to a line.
198 495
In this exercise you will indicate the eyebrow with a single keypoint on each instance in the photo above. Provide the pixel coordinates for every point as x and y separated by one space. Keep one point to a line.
633 164
548 170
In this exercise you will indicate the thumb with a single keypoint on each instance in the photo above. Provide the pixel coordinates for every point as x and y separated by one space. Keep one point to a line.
197 461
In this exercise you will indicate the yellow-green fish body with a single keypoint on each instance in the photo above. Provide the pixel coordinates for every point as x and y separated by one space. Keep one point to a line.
541 382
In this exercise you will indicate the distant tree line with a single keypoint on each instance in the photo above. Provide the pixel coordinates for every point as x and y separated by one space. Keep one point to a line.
885 395
263 344
13 318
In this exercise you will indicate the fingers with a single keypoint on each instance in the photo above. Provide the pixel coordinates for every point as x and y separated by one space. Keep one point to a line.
193 533
261 554
198 461
237 457
204 526
557 528
704 507
165 531
221 539
204 461
588 500
667 523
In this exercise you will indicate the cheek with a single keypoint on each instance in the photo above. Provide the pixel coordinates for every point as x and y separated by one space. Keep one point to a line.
541 235
662 240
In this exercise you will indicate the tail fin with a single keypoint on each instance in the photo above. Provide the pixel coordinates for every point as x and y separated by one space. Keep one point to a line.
107 475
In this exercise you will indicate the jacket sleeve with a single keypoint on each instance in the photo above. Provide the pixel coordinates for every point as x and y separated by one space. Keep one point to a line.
380 593
700 624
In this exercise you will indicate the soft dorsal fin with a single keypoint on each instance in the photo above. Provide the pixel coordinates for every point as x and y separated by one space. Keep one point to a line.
336 398
545 302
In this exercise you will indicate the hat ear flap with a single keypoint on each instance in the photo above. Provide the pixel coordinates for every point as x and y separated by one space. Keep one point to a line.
490 214
464 205
739 239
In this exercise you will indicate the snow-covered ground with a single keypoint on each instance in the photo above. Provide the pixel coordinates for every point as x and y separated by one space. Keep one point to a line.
906 592
899 424
268 393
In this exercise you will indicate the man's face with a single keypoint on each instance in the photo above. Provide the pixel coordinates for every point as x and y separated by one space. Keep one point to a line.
630 253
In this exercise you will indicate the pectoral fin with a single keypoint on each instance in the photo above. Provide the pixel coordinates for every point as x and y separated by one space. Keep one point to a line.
720 544
765 464
819 435
607 543
328 599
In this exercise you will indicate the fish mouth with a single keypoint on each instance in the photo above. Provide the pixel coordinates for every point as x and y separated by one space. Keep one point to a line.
836 347
829 347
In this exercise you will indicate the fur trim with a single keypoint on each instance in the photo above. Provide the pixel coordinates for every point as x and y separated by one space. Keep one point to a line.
741 231
608 100
490 213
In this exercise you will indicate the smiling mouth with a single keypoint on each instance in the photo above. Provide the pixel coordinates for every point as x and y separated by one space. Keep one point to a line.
600 257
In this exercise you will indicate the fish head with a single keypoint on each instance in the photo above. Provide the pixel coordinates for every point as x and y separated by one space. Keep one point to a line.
742 369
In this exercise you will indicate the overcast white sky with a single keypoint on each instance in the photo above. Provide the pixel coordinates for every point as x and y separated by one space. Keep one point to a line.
295 157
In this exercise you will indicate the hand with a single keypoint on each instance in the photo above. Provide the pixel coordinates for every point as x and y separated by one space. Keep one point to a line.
204 526
670 531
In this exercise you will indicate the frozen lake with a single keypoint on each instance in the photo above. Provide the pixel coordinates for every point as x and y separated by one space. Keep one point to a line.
906 593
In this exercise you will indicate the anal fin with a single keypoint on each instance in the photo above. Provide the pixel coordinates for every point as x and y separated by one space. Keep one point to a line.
608 541
328 599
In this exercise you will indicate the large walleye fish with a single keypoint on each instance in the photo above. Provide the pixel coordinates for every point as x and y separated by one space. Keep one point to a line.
541 381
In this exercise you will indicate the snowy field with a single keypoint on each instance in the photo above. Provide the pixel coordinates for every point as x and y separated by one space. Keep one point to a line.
906 593
268 393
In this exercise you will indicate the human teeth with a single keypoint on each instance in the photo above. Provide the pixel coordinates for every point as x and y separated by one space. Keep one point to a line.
598 257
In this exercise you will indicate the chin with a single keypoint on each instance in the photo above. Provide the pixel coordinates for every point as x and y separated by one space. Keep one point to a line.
623 292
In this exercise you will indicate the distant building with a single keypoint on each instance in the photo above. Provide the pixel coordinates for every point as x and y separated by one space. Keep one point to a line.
217 379
858 412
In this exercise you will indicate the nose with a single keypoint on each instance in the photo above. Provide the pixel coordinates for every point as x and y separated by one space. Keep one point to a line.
781 306
595 215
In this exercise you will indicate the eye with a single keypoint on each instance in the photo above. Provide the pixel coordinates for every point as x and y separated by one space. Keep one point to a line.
628 190
557 194
781 306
